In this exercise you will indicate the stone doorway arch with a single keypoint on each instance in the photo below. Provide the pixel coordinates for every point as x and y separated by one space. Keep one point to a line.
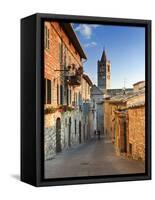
58 135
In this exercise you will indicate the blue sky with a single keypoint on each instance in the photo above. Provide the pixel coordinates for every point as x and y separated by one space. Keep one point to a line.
125 48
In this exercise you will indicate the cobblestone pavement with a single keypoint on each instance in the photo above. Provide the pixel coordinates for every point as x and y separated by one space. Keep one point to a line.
96 157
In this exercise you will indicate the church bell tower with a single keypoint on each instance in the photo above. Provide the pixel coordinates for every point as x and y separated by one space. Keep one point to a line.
104 73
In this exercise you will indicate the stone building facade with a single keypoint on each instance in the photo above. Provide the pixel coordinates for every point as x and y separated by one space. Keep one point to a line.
64 89
124 122
136 125
88 118
136 145
97 100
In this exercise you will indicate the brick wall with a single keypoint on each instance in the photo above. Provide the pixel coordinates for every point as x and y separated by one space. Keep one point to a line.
85 90
74 126
52 61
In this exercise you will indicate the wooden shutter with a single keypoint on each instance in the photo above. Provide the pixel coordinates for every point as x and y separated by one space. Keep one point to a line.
48 91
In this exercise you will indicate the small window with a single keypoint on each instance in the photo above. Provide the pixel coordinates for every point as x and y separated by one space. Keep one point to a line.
47 38
45 92
61 52
65 57
48 91
57 94
61 95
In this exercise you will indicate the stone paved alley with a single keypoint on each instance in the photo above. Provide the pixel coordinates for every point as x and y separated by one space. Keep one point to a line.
96 157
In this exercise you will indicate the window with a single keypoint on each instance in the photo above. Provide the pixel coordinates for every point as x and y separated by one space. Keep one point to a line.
61 95
47 92
101 69
61 52
57 94
47 38
65 57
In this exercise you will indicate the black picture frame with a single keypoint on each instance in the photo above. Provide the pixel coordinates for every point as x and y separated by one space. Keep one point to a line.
32 90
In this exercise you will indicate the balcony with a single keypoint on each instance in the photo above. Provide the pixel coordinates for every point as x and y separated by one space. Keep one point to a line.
74 75
74 80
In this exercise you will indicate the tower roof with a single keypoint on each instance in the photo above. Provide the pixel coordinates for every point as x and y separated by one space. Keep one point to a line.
104 56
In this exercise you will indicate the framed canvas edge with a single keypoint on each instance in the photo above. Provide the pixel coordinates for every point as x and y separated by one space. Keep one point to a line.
86 180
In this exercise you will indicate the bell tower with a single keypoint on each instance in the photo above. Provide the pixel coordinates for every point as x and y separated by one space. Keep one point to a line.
104 73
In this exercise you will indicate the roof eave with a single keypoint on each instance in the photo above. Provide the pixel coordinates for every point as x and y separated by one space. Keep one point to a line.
74 39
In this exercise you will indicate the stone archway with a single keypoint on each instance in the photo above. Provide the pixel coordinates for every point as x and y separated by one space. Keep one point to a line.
58 135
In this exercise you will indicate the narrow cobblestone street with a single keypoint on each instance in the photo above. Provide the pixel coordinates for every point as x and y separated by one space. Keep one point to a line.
96 157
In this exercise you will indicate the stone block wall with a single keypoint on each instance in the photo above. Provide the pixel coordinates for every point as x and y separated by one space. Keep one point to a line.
67 119
137 132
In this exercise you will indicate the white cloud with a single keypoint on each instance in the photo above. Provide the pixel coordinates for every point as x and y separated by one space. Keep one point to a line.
86 29
94 25
91 44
